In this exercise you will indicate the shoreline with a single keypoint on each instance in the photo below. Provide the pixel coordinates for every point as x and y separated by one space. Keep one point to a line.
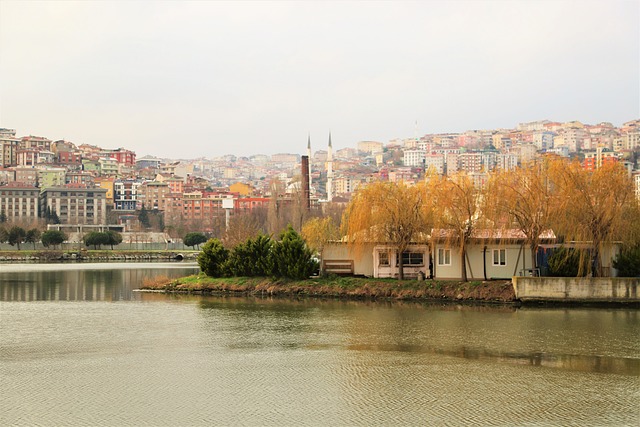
52 255
354 288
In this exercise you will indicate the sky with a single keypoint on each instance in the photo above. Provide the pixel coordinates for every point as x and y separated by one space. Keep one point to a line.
205 79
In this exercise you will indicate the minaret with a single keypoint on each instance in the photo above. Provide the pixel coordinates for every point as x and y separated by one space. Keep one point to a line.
309 154
330 171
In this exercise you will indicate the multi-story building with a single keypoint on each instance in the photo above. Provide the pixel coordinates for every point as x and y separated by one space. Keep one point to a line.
19 202
9 145
76 205
125 194
33 156
148 162
51 177
79 179
122 156
37 142
154 195
370 147
108 166
435 162
636 181
414 158
28 176
597 158
533 126
106 182
7 175
245 204
202 209
70 159
506 161
525 153
543 140
469 162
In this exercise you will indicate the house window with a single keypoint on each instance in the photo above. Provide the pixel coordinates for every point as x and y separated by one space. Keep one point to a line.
444 256
499 257
383 258
412 259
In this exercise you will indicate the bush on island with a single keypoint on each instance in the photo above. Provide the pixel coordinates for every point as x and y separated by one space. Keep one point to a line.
291 258
213 257
251 258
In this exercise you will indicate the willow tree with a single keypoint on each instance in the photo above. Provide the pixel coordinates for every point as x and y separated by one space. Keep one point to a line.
318 231
521 199
456 206
596 208
392 213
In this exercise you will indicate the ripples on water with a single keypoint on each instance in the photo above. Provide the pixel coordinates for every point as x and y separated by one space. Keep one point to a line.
149 359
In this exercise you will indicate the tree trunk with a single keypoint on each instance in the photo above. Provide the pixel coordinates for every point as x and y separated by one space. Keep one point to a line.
400 267
463 260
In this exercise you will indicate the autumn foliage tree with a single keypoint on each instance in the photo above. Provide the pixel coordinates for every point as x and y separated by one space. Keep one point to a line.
455 202
318 231
596 207
387 212
521 199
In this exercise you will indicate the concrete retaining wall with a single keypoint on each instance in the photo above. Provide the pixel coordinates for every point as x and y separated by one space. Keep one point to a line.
577 289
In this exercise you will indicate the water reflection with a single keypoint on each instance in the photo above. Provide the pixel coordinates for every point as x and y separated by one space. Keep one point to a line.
481 333
83 282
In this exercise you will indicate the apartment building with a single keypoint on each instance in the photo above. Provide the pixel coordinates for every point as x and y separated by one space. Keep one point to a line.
121 156
9 145
435 162
370 147
154 195
19 202
79 179
597 158
125 194
36 142
414 158
76 205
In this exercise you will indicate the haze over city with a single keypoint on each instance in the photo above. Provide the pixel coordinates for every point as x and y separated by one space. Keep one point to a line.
193 79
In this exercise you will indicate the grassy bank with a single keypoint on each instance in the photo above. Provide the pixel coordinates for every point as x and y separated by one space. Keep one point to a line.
340 287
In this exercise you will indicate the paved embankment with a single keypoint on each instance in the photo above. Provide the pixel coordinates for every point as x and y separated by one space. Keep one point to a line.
618 290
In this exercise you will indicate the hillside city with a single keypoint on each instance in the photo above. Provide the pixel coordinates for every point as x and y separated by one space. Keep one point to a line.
78 184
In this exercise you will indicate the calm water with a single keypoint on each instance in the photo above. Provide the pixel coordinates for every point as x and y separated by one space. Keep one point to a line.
78 347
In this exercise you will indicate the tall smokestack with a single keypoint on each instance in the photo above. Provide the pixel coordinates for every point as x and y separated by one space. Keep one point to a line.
305 182
309 154
330 171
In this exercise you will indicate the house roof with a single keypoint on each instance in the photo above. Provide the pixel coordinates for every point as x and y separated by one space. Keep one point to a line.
492 234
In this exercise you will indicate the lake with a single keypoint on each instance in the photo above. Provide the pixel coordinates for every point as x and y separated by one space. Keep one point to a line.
78 346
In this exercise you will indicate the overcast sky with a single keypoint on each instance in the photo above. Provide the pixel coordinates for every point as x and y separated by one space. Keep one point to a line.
192 79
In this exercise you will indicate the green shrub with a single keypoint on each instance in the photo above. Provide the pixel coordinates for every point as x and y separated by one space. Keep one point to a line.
213 257
628 262
250 258
291 258
568 262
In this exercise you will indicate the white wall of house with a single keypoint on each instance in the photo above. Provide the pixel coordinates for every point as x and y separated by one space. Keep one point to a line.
385 261
501 260
362 259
